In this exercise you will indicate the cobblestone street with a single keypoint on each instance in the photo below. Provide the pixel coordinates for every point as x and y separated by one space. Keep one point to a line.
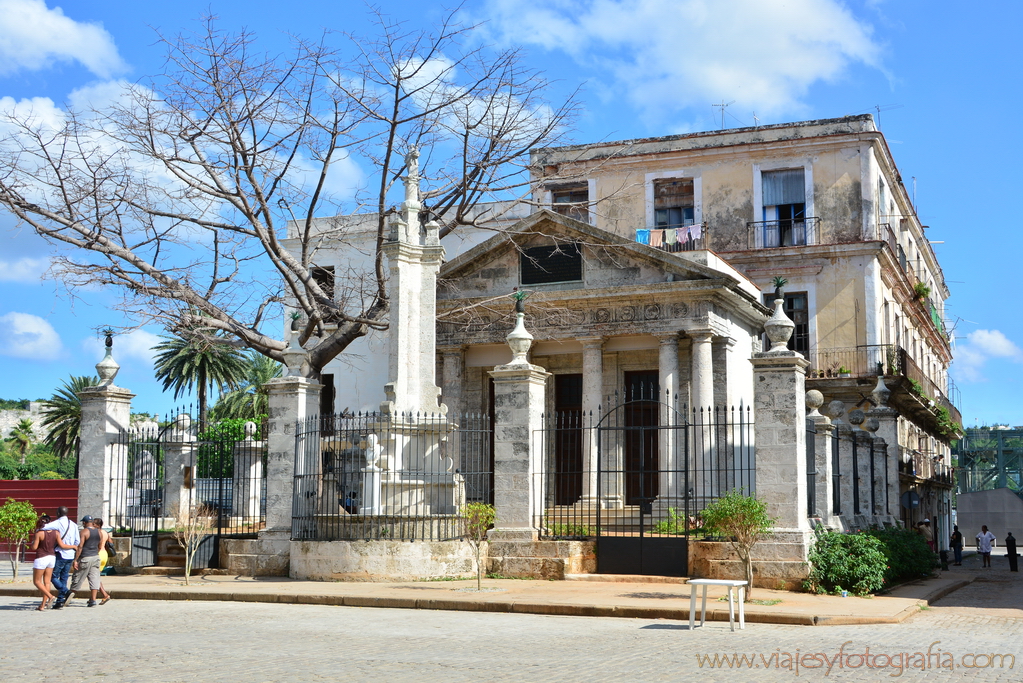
129 640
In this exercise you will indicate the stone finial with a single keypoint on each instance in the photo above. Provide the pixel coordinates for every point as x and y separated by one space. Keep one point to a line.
835 410
871 424
294 357
519 339
856 417
881 393
779 328
814 400
250 431
108 367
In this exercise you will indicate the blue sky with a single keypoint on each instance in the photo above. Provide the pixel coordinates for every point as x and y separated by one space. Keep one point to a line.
947 79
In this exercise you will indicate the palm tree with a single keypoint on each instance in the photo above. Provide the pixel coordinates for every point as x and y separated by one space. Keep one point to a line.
63 416
249 400
22 437
186 363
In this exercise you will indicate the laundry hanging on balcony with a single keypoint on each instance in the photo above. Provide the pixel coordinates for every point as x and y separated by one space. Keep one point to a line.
643 236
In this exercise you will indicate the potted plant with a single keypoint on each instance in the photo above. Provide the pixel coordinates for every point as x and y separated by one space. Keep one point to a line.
778 283
844 372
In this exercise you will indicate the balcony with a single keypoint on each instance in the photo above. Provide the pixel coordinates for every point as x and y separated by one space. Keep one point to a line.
924 467
783 233
691 237
853 371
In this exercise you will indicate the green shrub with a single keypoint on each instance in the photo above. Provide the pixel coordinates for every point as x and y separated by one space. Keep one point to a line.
906 552
852 562
675 524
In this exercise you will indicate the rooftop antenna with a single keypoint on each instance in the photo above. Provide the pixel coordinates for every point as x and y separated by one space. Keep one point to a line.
884 107
723 106
756 120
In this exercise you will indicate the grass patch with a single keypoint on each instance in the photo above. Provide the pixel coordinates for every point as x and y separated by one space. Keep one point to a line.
502 576
766 603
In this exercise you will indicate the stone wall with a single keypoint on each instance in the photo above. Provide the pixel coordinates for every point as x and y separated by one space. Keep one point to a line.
381 560
779 562
9 419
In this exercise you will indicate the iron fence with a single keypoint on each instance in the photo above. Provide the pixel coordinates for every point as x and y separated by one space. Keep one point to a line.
389 476
790 232
640 467
163 472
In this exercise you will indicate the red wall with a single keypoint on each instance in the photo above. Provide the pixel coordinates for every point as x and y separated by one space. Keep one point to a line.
46 495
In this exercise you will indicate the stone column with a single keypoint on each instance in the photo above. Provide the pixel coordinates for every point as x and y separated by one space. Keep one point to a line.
179 467
453 368
824 495
780 428
248 476
519 403
888 429
519 395
702 388
593 383
103 452
670 482
292 400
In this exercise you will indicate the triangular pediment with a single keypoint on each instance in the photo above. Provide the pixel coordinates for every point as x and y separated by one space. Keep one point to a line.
498 265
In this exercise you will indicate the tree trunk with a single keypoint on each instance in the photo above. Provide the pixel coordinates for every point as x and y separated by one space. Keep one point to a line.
747 561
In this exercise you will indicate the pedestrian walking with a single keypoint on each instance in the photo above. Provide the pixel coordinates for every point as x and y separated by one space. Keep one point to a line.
955 542
68 531
985 541
926 531
1010 551
45 544
87 560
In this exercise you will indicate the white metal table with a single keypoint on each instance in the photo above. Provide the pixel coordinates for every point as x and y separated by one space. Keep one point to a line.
732 585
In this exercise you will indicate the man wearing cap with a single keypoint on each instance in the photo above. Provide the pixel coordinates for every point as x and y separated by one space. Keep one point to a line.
68 532
87 559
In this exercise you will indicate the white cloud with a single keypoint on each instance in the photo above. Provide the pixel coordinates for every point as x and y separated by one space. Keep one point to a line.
24 269
980 347
669 54
34 37
28 336
137 345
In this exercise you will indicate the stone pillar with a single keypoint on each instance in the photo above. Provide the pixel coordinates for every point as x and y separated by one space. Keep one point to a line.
780 432
888 429
519 396
248 476
292 400
824 495
702 383
780 427
593 383
670 482
414 256
179 467
103 452
452 368
860 470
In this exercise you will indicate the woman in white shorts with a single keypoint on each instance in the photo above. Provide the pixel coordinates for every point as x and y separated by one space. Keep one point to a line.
45 545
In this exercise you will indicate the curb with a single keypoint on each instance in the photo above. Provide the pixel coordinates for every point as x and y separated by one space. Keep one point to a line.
544 608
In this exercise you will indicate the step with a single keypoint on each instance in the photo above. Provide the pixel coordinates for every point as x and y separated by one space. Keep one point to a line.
625 578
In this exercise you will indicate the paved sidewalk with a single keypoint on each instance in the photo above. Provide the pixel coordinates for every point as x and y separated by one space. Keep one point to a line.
625 597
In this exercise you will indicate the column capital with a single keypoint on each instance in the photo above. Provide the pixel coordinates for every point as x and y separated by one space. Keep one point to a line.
452 350
668 338
591 342
702 335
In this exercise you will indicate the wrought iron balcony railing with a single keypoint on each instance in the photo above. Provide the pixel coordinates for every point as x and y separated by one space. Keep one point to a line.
689 236
783 233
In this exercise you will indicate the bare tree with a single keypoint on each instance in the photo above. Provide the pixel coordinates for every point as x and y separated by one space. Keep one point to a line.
192 524
198 192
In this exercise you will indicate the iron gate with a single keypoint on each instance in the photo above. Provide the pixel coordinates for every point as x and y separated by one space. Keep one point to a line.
644 471
181 467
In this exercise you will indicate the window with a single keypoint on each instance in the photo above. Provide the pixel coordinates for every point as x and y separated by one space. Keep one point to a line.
324 277
572 201
797 308
546 265
673 203
784 208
